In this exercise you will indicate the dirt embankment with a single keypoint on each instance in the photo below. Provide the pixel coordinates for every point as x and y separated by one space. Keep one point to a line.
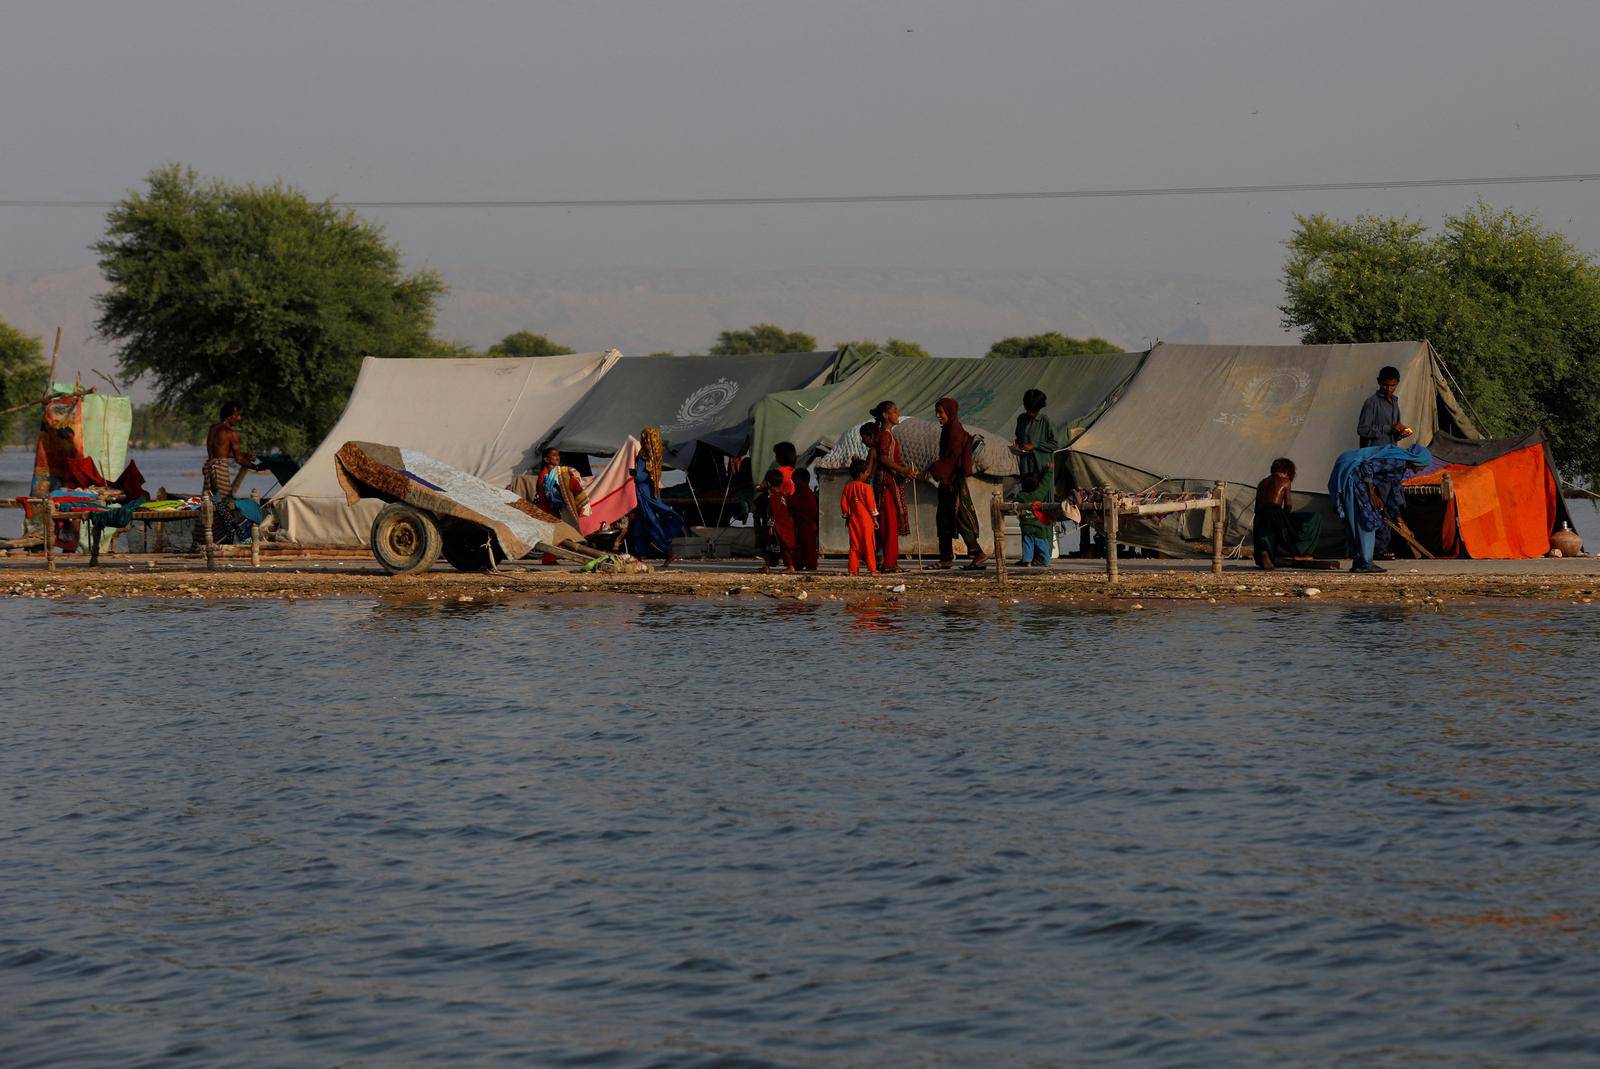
346 579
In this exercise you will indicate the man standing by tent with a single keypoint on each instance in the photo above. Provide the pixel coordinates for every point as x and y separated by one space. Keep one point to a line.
1380 424
222 446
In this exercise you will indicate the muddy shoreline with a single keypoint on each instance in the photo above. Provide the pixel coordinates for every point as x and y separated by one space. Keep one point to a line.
1087 584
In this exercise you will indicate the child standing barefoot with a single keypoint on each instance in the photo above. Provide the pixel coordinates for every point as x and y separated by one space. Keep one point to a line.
778 490
861 517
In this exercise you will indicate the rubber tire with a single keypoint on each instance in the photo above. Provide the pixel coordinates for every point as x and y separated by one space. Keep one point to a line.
464 548
405 540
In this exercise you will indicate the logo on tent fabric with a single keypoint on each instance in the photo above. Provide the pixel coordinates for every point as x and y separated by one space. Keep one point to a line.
704 405
968 405
1280 386
1266 393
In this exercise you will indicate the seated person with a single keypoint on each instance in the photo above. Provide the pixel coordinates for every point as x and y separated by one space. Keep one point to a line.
1281 535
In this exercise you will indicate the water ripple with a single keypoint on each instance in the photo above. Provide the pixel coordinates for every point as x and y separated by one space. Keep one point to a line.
663 833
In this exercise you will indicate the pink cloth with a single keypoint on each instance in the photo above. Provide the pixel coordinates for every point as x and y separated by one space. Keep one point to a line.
611 493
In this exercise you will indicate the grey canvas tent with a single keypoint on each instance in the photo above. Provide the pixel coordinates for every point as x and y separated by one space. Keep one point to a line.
694 400
483 416
1197 413
988 391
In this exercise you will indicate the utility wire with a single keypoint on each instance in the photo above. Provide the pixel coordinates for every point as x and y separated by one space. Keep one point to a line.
909 198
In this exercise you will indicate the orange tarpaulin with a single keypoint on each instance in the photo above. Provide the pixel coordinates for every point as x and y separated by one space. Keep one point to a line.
1503 508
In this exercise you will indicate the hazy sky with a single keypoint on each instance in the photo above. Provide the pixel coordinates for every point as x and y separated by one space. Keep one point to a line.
691 98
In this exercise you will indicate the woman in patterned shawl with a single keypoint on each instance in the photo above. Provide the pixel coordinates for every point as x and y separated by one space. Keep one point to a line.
956 514
655 524
558 489
1361 486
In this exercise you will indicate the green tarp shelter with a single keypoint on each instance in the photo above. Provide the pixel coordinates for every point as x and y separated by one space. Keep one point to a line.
692 399
107 422
988 391
1198 413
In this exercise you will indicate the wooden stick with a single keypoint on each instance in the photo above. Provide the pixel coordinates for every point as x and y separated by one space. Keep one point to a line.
1219 525
49 534
997 520
55 351
1400 528
207 512
1160 508
562 552
255 546
1108 513
916 523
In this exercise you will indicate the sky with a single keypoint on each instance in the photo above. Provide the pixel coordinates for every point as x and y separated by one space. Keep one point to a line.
604 98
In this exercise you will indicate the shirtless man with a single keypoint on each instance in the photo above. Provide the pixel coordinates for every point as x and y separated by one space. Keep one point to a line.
1279 533
222 446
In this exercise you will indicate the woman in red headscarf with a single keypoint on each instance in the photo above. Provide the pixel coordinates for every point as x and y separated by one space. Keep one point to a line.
956 515
888 477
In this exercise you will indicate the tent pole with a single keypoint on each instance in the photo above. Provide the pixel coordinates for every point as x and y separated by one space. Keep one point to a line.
702 512
722 509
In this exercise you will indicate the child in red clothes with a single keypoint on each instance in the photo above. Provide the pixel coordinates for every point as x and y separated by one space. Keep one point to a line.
803 508
778 490
860 512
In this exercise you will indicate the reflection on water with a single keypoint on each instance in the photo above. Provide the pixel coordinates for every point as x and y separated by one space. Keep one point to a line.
654 832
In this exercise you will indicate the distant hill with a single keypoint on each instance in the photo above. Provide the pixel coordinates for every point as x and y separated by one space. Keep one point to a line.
644 310
952 313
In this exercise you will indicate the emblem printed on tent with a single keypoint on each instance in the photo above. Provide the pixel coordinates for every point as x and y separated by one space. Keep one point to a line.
1269 390
704 405
974 403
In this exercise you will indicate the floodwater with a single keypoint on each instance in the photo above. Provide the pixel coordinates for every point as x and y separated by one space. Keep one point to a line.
636 832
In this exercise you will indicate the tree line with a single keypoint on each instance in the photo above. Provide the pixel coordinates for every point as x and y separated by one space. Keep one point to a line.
261 294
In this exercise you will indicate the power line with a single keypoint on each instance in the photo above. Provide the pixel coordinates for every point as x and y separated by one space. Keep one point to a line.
912 198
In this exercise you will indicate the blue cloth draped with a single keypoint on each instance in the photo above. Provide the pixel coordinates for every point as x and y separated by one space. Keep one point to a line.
1377 465
655 524
1382 467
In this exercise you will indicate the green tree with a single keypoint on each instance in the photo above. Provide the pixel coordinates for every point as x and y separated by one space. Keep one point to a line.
762 338
527 343
1051 343
892 347
154 425
24 376
255 293
1513 308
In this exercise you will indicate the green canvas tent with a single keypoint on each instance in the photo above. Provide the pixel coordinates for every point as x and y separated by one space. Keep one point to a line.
1198 413
989 392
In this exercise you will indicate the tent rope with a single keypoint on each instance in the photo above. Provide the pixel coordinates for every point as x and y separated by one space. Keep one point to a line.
722 509
1460 392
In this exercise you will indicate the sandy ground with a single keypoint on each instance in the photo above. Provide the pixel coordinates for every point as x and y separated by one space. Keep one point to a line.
1407 582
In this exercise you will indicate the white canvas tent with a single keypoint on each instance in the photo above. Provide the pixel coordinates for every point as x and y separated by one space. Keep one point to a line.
483 416
1197 413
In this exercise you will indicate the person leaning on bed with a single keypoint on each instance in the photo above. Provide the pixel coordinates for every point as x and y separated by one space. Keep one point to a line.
1281 535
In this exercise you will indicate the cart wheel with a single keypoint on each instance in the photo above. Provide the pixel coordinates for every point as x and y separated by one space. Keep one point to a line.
405 540
466 550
